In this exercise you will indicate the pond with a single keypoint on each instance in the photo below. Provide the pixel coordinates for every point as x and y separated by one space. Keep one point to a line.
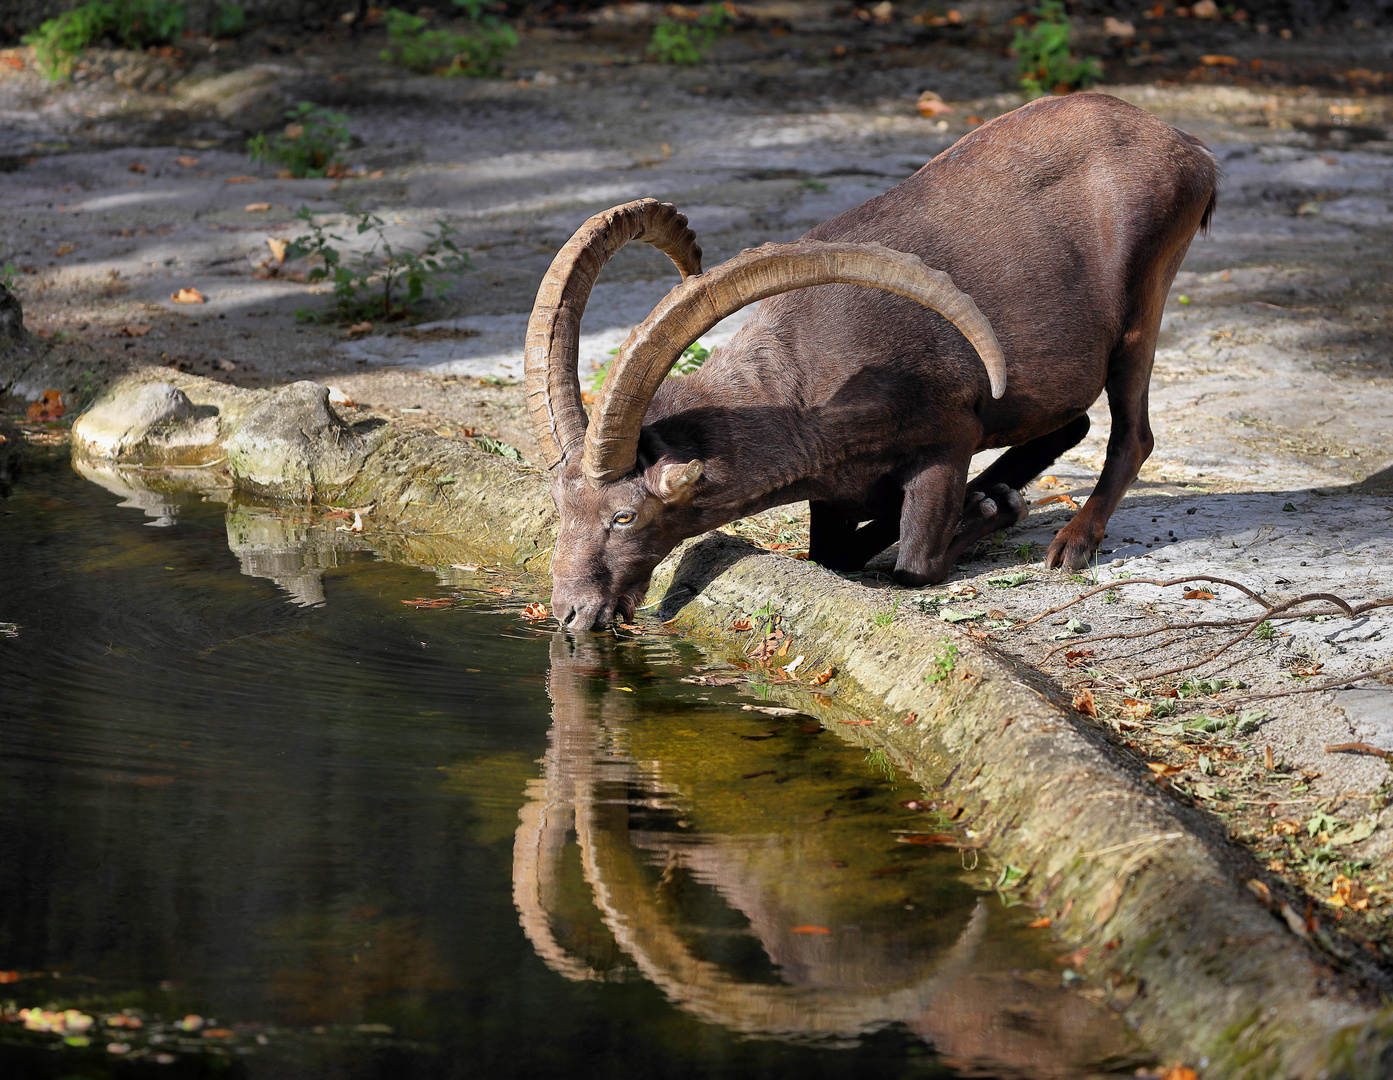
275 806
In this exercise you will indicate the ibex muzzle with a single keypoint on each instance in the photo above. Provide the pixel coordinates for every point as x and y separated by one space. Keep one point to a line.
869 377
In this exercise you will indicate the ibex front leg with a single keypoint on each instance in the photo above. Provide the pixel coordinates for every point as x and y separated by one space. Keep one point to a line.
941 519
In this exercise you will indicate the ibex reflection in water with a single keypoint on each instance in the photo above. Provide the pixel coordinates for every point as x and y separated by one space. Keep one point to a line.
869 377
831 987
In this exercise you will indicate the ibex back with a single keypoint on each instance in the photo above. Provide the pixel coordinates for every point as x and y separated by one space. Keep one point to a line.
867 380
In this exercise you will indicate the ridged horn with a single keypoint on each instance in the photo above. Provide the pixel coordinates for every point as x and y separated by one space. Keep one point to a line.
553 331
692 308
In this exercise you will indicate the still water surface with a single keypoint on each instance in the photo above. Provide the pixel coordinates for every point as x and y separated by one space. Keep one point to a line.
348 837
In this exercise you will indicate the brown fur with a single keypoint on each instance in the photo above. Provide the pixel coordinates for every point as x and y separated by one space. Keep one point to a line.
1066 221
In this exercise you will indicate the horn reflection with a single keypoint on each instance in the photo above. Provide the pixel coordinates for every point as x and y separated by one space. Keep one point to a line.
753 923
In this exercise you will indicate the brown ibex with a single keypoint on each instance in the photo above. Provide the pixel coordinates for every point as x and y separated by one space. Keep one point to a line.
868 390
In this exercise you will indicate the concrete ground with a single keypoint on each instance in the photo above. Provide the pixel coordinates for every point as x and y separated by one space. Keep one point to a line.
1272 398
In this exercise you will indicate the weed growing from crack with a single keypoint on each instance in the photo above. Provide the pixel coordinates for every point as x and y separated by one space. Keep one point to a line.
477 51
308 146
687 43
371 284
943 664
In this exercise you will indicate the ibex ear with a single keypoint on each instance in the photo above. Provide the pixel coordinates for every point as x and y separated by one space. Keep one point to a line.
674 483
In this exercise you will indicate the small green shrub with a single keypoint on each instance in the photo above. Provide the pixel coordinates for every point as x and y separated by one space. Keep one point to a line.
133 24
478 51
1045 63
693 356
943 665
371 284
308 146
229 20
687 43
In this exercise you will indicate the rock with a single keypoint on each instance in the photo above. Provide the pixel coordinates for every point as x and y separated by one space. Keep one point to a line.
294 446
156 424
249 99
17 351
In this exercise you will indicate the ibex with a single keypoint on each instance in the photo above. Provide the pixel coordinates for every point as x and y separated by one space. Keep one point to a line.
867 380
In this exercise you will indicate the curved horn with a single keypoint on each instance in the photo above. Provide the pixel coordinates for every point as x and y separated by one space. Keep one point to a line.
553 331
696 305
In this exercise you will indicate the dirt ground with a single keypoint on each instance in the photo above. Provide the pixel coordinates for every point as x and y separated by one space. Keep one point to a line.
1272 398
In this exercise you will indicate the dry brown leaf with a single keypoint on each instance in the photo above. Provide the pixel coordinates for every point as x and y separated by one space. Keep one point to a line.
500 590
186 160
65 249
1048 481
1180 1072
47 408
188 296
1160 768
1040 923
278 248
1135 708
1268 763
1065 499
930 839
1073 959
1218 60
822 678
1083 701
536 612
809 930
1198 594
740 626
134 330
1076 657
429 602
359 329
243 179
1260 890
257 207
857 723
136 167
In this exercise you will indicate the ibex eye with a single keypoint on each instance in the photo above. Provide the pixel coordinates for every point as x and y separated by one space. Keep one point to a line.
623 517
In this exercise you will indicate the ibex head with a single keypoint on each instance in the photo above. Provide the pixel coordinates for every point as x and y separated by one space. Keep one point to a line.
625 500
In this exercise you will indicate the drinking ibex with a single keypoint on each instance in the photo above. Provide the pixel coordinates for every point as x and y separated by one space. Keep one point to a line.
867 380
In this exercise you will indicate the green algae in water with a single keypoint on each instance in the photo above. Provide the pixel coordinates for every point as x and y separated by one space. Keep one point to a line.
297 828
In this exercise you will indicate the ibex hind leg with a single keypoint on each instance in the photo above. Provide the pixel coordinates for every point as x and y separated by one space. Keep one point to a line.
1022 464
836 542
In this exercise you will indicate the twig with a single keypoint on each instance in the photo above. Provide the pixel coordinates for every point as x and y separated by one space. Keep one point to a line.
1358 748
1142 581
1157 839
1335 685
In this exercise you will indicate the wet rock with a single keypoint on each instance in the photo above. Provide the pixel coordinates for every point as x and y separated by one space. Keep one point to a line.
294 445
17 348
157 423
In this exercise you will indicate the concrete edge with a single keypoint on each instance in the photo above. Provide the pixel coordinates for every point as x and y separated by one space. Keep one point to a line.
1146 892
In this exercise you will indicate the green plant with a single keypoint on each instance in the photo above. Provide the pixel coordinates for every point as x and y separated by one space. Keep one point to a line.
693 356
309 144
1265 631
477 51
885 618
491 445
365 287
1026 550
943 664
9 277
687 43
228 20
880 761
133 24
1045 63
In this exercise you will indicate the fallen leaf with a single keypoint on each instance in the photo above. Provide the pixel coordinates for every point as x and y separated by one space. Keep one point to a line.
9 976
1065 499
1160 768
12 62
1218 60
137 167
188 296
633 628
1198 594
1268 763
856 723
809 930
910 719
1135 708
134 330
929 839
587 398
961 589
257 207
65 249
243 179
359 329
1040 923
1076 657
49 407
1048 481
822 678
740 626
429 602
1307 672
1180 1072
1084 703
278 248
186 160
217 1033
536 612
973 120
1260 890
1073 959
500 590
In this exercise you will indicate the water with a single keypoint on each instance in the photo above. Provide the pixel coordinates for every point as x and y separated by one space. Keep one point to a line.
295 827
